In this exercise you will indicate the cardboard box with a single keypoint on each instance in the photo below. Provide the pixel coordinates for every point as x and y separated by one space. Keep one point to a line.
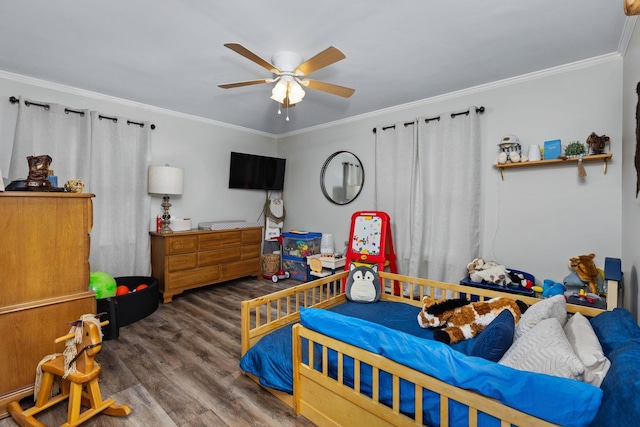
552 149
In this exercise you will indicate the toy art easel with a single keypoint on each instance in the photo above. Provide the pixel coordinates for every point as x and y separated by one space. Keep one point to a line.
85 375
371 242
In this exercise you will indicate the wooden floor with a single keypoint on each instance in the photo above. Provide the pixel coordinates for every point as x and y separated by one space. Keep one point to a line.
179 366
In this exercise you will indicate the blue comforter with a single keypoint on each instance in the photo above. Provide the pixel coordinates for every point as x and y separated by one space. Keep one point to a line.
399 338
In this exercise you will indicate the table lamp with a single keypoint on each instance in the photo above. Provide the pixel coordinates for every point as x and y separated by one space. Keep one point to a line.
165 180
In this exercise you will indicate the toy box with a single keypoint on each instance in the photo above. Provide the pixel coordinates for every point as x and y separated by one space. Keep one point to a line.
296 267
126 309
301 245
552 149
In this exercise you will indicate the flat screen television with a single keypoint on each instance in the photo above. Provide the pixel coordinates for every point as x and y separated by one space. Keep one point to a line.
253 172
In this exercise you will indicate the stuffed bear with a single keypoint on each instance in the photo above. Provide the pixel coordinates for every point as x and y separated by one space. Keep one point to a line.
586 270
363 283
459 319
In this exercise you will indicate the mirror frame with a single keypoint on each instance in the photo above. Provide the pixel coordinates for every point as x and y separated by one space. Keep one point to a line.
323 177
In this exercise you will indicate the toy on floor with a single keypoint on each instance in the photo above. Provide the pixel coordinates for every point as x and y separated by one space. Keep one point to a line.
280 274
461 319
75 369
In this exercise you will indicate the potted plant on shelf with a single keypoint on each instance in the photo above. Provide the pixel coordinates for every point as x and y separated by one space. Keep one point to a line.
575 149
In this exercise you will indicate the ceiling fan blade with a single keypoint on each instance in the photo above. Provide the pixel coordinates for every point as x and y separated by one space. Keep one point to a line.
345 92
238 48
247 83
328 56
631 7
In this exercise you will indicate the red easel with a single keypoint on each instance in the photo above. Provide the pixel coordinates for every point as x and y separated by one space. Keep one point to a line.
370 242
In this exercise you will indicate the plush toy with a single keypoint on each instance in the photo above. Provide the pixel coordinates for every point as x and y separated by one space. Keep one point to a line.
551 288
488 272
459 319
363 283
586 270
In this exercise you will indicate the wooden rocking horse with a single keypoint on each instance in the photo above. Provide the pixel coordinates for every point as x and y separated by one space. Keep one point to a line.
77 371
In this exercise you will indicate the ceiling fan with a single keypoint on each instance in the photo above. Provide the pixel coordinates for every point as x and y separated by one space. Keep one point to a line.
289 69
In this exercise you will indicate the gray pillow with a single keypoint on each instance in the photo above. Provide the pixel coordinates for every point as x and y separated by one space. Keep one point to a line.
555 307
546 350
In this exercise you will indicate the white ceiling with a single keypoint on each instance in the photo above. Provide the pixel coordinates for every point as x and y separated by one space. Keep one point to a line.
170 53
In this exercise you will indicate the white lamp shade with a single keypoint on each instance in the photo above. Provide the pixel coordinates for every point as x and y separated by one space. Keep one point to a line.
165 180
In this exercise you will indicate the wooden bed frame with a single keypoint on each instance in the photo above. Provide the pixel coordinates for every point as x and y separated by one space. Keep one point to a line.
326 401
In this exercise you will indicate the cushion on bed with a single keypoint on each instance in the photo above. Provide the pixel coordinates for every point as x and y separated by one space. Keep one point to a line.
619 335
615 328
546 350
620 404
493 342
518 389
585 344
555 307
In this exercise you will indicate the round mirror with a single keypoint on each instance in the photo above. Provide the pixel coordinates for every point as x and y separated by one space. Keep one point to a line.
342 177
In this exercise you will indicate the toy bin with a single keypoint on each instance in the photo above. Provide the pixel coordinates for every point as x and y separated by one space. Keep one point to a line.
126 309
296 267
301 245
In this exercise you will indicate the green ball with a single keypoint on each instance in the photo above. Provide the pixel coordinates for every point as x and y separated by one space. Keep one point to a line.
103 284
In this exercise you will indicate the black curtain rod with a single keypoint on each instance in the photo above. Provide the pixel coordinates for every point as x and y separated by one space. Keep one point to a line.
14 100
479 110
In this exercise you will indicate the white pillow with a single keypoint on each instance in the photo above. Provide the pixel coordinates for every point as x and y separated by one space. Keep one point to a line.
555 307
585 344
546 350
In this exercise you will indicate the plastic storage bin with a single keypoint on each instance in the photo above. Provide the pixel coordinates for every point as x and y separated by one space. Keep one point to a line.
126 309
301 245
297 267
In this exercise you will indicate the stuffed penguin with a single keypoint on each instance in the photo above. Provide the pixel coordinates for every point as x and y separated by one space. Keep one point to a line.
363 283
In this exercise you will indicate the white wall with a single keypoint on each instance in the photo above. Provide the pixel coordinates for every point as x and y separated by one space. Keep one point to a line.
202 147
534 220
631 204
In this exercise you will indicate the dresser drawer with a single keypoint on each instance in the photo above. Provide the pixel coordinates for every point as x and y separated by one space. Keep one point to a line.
251 251
178 244
209 241
252 236
233 270
230 238
218 256
196 277
182 262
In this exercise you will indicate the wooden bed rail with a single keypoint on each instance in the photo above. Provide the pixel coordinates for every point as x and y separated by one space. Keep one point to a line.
416 288
350 404
262 315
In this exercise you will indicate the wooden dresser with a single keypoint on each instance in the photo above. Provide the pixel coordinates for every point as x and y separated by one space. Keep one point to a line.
191 259
44 281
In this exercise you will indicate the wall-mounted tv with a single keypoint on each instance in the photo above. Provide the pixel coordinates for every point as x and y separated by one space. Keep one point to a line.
253 172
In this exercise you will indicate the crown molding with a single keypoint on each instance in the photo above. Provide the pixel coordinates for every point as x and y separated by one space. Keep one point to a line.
70 90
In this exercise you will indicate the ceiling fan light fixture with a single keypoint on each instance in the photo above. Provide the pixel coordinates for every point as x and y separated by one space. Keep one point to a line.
279 91
295 92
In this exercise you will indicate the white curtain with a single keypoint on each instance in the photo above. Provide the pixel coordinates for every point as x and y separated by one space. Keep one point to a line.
396 162
57 131
120 157
434 200
111 158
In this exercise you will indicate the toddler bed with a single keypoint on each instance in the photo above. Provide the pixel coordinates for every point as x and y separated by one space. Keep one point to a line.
344 370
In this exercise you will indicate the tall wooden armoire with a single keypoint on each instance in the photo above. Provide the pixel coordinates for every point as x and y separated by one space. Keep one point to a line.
44 280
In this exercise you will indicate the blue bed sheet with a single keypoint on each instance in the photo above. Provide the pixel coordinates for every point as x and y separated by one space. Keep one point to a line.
270 359
517 389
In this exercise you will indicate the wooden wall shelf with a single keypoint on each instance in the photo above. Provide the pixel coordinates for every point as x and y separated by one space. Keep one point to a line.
569 160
